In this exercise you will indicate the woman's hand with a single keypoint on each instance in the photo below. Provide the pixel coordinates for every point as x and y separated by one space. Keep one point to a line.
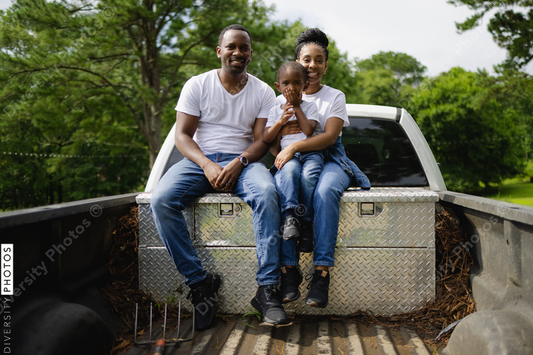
292 127
283 157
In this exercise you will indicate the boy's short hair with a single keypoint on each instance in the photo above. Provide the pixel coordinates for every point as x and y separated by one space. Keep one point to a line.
233 27
293 65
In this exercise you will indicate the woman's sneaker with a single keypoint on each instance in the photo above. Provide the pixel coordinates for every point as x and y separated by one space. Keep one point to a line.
319 287
204 296
267 301
290 283
307 237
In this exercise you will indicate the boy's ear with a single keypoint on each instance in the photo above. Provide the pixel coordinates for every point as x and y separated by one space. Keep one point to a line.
278 87
306 85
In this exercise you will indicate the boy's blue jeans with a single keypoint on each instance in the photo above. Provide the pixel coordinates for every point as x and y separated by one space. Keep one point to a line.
331 185
184 182
296 183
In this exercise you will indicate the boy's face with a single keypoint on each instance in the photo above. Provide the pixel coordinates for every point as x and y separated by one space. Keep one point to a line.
291 79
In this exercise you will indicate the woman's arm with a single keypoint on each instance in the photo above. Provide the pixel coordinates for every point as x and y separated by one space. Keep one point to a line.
320 141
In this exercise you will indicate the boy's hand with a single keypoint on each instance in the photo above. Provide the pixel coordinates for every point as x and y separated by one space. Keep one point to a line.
287 113
293 97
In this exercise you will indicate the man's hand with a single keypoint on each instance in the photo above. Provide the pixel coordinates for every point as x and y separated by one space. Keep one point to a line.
227 178
212 171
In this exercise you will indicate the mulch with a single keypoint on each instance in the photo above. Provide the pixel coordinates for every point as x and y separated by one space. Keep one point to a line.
453 299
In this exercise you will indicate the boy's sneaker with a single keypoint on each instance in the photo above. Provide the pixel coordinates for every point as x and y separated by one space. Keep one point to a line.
290 282
319 287
307 237
204 296
267 301
291 228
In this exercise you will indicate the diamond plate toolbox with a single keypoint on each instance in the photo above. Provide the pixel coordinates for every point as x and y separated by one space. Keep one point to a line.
384 259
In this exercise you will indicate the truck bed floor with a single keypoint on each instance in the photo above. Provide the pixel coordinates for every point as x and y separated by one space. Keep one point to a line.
303 337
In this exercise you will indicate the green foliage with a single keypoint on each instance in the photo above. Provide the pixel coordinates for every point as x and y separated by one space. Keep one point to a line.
511 27
476 137
386 78
99 82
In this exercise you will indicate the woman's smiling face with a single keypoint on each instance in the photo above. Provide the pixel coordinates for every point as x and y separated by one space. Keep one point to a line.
313 58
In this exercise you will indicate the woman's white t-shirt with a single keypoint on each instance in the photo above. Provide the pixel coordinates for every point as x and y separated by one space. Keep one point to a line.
226 121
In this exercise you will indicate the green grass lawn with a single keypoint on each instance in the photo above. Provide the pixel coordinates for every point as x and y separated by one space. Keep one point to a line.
519 191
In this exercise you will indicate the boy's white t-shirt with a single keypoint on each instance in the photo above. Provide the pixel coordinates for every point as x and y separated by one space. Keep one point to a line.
330 102
310 111
226 121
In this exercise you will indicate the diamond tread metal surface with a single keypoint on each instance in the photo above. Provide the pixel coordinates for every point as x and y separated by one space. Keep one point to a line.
385 281
385 262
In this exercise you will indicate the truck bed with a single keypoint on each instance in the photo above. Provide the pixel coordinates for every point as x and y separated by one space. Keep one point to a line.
305 336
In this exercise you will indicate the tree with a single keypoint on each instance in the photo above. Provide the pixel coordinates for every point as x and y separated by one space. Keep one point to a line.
476 137
387 78
87 88
511 27
140 52
405 68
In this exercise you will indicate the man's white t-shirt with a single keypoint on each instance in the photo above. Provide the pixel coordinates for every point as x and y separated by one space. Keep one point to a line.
330 102
310 111
226 121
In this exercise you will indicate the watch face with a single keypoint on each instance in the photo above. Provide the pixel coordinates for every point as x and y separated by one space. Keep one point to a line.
243 160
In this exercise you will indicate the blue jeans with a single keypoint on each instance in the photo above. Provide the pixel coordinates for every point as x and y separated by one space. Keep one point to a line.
332 183
296 183
184 182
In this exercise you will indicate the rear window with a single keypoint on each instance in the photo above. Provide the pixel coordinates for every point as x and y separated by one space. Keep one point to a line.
381 149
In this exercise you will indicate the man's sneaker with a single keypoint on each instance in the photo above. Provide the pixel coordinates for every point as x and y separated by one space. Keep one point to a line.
307 237
267 301
291 228
319 287
290 282
204 296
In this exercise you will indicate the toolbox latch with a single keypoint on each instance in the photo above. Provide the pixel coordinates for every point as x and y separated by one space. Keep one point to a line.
226 209
367 209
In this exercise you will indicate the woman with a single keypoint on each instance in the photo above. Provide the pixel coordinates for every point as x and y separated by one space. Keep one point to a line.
338 173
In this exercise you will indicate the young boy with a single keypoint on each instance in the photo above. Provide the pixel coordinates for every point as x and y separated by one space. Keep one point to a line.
296 180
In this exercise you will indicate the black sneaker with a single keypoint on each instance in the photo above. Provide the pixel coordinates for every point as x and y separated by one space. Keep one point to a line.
319 287
204 296
307 237
267 300
290 282
291 228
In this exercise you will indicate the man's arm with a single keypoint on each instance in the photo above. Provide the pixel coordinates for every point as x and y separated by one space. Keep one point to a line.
186 126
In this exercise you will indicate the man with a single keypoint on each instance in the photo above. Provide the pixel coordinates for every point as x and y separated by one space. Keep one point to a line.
220 119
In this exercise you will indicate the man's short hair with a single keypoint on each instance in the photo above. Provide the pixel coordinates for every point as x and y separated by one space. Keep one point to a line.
295 66
233 27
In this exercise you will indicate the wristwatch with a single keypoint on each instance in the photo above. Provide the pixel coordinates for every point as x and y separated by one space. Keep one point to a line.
243 160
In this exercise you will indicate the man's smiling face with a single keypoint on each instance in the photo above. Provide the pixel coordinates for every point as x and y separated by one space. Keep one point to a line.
235 51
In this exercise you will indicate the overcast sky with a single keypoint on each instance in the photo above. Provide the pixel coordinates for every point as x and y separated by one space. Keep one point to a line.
424 29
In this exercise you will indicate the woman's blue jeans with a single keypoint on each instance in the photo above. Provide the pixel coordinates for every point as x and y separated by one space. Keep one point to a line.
332 183
296 183
184 182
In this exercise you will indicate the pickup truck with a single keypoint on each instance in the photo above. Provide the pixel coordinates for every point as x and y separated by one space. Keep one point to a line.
385 261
